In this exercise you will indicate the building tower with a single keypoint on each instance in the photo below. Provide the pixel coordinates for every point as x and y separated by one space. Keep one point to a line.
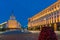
12 23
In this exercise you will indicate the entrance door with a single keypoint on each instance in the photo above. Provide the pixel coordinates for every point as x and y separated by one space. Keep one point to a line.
58 26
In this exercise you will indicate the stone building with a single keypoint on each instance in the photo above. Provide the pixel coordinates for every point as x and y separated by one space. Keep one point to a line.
49 16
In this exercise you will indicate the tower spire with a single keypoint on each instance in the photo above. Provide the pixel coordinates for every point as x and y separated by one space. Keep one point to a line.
12 17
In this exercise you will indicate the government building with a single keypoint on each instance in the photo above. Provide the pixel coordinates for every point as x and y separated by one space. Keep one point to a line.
11 24
49 16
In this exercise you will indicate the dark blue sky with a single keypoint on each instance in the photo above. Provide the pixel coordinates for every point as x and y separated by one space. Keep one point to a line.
23 9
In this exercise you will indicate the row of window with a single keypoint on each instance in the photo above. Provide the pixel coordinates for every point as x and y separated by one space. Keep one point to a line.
50 16
55 17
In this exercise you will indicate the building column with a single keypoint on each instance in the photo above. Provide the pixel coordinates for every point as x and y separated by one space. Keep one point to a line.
55 26
45 21
40 27
59 16
53 18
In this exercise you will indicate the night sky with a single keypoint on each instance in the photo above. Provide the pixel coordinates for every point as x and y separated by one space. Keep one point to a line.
23 9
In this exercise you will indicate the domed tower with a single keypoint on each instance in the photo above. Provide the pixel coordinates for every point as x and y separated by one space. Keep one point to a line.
12 17
12 23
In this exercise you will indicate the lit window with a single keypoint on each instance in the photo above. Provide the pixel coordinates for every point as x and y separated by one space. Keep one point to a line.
55 7
58 5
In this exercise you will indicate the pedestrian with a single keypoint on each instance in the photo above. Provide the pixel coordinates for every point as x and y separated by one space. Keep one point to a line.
47 33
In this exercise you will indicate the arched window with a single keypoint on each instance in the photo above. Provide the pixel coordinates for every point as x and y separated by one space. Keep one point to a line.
58 6
55 7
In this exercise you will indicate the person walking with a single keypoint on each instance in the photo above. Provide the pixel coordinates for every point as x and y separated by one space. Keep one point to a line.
47 33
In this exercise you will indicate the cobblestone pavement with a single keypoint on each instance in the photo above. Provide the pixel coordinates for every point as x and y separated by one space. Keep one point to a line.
29 36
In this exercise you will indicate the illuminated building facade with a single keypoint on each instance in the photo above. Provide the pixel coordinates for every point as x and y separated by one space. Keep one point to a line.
49 16
3 26
12 23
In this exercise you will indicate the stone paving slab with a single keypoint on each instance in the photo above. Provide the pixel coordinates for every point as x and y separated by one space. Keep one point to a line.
29 36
